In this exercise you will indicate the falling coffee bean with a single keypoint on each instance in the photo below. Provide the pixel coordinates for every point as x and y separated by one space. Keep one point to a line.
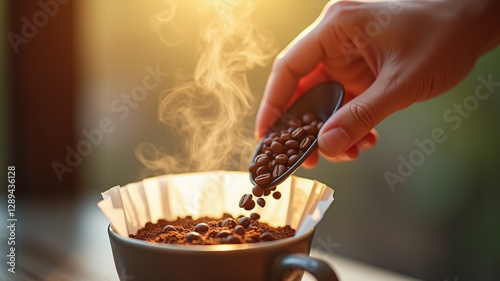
250 206
254 216
261 202
267 192
276 195
257 191
245 200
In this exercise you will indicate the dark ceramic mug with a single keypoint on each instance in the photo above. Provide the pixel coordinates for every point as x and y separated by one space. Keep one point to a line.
138 260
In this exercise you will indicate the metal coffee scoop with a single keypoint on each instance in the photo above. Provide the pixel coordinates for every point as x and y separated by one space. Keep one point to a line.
322 100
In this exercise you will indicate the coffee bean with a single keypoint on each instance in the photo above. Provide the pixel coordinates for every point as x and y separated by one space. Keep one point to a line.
266 236
223 233
261 202
305 143
320 124
278 139
168 228
254 216
311 137
263 179
261 170
281 159
193 236
245 221
261 159
229 222
293 144
276 195
233 240
307 118
298 133
267 192
269 153
257 191
254 223
292 160
240 230
245 200
250 206
279 170
295 122
252 168
271 165
280 151
286 136
202 227
273 135
277 147
310 129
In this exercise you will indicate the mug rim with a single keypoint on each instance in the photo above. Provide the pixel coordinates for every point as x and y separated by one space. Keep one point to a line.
209 248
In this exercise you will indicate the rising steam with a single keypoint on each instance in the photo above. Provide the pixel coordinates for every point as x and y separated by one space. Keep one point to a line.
208 111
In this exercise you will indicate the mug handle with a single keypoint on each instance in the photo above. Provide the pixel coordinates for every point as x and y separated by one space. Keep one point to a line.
318 268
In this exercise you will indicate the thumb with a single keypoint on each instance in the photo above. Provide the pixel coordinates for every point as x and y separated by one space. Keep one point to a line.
356 118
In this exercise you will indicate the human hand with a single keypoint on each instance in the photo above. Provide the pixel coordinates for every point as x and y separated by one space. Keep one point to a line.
387 55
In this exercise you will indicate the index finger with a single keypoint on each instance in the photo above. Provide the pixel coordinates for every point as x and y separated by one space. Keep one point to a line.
301 57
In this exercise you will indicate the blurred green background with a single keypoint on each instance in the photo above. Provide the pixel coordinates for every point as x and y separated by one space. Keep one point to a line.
442 222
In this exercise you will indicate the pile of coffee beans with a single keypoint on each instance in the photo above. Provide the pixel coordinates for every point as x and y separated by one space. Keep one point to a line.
279 152
210 231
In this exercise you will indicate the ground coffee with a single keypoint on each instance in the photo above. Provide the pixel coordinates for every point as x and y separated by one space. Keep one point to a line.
211 231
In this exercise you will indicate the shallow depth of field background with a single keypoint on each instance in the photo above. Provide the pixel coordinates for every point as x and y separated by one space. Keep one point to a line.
442 222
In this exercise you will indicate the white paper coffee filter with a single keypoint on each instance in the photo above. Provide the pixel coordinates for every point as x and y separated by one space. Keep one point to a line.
302 205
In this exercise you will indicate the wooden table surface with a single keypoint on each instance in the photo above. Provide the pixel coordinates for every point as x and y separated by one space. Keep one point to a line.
67 240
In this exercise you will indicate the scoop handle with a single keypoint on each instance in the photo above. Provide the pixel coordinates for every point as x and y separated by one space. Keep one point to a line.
318 268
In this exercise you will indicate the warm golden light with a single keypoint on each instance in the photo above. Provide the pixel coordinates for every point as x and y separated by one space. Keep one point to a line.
208 110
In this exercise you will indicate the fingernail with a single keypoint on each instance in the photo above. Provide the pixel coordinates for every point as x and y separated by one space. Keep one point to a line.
334 141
